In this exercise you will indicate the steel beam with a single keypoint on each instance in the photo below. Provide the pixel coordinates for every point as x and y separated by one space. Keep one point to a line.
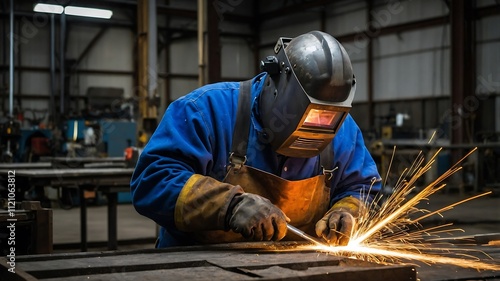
202 15
11 59
214 48
371 106
52 102
147 70
62 59
152 52
462 68
90 45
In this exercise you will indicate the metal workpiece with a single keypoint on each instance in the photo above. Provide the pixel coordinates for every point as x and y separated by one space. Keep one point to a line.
232 261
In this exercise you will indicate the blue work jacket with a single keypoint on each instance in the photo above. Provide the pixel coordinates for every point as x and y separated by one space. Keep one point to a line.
195 137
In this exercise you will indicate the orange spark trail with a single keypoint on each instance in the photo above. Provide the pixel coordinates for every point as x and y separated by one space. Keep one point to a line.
375 253
391 211
386 233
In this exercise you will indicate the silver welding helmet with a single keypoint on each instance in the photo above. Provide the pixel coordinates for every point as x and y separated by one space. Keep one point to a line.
309 94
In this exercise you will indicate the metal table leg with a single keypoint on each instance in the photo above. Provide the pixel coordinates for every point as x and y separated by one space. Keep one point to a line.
112 220
83 219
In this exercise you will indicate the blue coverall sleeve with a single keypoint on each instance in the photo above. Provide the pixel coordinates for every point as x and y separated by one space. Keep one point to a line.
357 173
182 145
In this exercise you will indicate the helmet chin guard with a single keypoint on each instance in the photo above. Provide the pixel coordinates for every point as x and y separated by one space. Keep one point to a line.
309 94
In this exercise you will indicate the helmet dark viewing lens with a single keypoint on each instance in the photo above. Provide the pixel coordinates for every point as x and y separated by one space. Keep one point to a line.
322 118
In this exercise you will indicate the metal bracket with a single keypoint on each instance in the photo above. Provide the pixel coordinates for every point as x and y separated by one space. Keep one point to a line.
237 161
329 173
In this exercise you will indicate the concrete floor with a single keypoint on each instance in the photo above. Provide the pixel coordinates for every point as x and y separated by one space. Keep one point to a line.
478 216
131 227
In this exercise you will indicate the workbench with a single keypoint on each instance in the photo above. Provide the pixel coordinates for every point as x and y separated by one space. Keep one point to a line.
33 226
108 180
82 162
81 159
60 162
25 165
409 149
232 261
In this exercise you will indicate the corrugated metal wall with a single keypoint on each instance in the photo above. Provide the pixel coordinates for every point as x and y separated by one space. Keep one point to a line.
410 69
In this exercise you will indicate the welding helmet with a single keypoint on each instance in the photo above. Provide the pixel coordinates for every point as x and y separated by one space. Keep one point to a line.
308 95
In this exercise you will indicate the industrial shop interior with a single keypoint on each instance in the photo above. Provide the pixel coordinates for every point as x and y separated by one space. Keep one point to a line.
250 140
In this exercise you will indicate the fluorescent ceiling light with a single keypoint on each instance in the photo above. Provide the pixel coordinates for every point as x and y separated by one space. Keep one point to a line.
73 11
88 12
48 8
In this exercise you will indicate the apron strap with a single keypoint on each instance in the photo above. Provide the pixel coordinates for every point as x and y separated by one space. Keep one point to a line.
326 162
237 157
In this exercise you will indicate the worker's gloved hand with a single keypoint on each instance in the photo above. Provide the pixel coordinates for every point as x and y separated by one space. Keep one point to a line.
256 218
339 222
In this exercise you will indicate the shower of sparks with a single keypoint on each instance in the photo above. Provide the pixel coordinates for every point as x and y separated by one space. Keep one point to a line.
389 230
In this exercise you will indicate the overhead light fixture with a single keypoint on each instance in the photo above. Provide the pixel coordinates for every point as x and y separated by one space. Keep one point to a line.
73 11
88 12
48 8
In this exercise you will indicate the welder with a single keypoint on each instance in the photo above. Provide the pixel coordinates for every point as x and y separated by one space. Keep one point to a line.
238 161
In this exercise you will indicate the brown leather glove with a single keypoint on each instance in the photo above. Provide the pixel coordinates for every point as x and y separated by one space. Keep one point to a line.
203 204
256 218
339 222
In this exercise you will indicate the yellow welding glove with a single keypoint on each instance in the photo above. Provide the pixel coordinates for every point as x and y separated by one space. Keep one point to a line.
203 204
256 218
339 222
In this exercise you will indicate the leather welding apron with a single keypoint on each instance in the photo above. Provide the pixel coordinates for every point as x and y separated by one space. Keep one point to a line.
305 201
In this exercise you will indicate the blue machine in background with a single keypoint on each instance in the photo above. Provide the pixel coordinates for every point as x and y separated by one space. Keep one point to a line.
105 127
75 129
117 136
103 137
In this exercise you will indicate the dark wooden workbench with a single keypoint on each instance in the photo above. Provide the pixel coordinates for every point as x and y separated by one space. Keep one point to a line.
237 261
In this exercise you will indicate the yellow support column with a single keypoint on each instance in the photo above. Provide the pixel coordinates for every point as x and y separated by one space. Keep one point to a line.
147 69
